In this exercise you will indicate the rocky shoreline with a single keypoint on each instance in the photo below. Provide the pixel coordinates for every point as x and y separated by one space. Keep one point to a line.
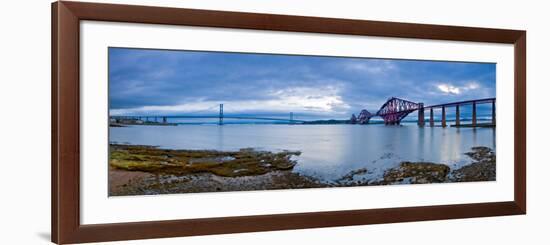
482 169
147 170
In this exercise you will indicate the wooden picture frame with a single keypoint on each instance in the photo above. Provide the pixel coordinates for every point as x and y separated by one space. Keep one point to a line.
65 174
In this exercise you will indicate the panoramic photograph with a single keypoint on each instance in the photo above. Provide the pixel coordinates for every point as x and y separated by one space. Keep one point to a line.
203 121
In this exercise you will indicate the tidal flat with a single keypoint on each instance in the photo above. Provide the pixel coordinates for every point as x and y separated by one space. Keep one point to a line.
149 170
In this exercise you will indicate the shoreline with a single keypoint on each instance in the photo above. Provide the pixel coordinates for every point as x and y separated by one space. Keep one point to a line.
147 170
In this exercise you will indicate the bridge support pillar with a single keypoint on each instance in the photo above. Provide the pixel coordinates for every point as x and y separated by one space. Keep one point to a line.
494 116
431 117
457 116
164 120
291 121
443 117
421 114
221 115
474 116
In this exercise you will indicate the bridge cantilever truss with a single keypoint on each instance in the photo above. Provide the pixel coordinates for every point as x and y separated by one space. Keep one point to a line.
364 117
395 109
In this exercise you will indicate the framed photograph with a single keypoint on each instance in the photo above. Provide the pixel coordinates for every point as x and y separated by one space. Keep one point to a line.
177 122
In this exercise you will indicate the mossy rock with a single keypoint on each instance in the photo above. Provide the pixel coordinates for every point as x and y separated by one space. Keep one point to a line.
416 173
483 169
244 162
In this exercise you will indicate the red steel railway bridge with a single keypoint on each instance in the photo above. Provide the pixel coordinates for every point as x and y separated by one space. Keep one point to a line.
395 109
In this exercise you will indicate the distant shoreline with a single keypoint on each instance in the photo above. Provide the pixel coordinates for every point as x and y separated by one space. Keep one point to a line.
464 124
120 125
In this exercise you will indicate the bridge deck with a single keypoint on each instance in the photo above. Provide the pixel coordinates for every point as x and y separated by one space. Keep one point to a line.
212 117
466 102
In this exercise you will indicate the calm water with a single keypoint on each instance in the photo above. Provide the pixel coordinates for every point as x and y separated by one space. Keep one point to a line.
328 151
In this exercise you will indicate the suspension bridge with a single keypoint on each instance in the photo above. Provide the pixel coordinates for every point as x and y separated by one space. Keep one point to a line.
393 111
163 119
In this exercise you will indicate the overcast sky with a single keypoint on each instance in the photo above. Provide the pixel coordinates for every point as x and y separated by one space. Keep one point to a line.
161 82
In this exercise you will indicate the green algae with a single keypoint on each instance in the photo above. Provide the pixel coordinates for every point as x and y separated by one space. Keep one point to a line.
245 162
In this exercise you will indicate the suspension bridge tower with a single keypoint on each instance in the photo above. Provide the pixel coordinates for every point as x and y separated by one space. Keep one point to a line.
221 115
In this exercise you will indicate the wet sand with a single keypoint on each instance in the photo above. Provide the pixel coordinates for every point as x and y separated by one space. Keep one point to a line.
119 180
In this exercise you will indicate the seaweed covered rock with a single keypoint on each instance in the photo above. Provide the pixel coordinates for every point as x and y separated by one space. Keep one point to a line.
481 153
416 173
483 169
244 162
349 179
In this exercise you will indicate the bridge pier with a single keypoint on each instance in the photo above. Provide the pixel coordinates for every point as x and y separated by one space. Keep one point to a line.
164 120
457 116
493 116
443 117
431 117
221 115
421 114
474 116
291 121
